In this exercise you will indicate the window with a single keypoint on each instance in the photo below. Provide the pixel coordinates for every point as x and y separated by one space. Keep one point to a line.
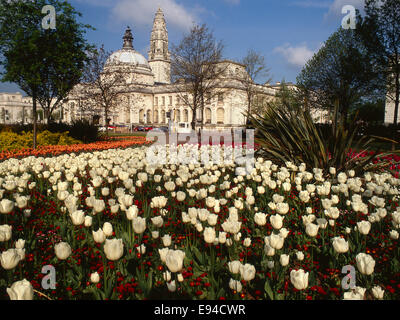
170 100
178 101
178 116
148 116
163 101
162 116
220 97
186 115
156 116
156 101
220 116
141 116
208 115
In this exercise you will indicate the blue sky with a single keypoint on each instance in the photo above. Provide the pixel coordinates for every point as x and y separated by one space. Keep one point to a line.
286 32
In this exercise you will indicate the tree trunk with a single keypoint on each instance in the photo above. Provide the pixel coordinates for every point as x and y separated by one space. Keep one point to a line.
194 117
335 115
34 115
202 112
248 107
396 109
106 115
47 116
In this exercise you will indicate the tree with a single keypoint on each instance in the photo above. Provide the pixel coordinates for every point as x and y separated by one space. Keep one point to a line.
195 68
256 68
380 31
46 63
370 111
288 132
341 73
100 84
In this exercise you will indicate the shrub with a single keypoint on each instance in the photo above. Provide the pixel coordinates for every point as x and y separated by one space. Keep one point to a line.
81 129
13 141
287 132
84 131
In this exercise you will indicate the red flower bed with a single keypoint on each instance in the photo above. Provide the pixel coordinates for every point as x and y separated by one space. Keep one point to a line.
57 150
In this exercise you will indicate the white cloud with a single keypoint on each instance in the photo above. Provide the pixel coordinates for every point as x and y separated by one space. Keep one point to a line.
295 56
335 10
141 12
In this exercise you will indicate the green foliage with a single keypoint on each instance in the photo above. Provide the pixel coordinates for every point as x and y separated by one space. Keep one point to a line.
340 72
84 130
45 63
81 130
13 141
371 111
379 29
287 132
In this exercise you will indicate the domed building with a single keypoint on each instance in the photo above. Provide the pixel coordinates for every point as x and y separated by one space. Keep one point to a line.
147 95
130 62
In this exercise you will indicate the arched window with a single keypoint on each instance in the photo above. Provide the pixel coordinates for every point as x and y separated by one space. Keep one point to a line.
178 116
186 115
156 116
128 116
220 116
208 115
148 117
162 116
141 116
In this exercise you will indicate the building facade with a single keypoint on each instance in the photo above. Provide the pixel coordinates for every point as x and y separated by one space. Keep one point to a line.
147 96
389 111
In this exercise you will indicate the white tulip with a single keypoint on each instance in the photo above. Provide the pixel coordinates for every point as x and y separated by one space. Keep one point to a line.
99 236
9 259
114 249
299 279
107 229
174 260
62 250
139 224
21 290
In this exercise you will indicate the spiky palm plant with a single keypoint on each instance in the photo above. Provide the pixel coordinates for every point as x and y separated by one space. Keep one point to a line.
287 132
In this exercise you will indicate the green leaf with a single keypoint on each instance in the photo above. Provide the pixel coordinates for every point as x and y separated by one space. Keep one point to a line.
198 255
268 290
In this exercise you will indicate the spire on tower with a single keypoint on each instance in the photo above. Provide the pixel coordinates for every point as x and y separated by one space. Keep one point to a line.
159 57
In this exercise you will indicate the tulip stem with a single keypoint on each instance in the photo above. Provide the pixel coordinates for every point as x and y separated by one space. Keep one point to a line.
42 294
104 276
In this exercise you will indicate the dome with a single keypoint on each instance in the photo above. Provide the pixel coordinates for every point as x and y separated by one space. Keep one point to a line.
127 55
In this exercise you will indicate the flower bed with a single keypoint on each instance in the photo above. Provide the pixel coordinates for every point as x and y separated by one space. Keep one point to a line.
114 227
58 149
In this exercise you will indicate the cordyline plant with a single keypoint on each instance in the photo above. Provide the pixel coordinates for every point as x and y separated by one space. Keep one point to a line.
287 132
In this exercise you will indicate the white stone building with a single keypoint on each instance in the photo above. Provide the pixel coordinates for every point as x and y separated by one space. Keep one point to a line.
149 96
389 111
